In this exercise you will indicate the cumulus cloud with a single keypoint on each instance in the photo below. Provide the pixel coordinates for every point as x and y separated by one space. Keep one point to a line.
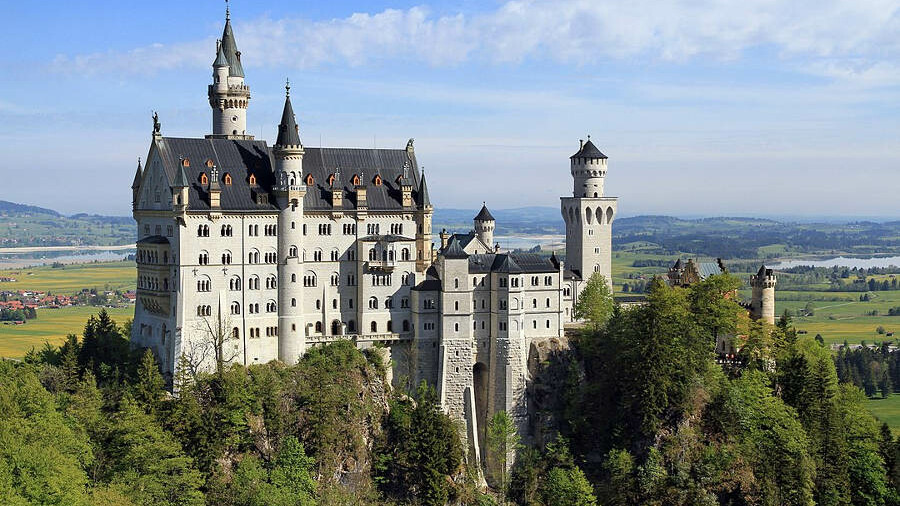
578 32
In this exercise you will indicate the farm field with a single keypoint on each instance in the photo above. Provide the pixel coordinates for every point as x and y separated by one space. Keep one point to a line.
52 325
72 278
887 410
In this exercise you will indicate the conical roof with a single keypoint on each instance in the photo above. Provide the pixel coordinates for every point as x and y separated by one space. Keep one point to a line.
229 47
484 214
181 180
588 150
288 131
138 176
424 200
221 60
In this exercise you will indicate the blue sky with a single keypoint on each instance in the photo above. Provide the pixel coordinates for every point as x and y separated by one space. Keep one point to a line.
704 107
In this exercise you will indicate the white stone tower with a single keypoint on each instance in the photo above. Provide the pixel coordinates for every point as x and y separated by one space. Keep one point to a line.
288 155
589 215
762 298
484 227
228 95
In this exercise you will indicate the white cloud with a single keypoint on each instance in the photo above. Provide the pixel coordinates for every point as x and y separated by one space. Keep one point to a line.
577 32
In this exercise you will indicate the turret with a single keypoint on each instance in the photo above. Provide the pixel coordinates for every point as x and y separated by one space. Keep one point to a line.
180 191
228 95
136 185
484 227
423 231
588 168
214 190
762 299
289 192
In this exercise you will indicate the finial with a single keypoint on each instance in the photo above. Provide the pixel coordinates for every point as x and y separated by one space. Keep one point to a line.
139 161
287 87
155 122
589 136
227 11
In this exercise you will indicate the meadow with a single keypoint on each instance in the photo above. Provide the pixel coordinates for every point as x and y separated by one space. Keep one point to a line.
52 325
70 279
887 410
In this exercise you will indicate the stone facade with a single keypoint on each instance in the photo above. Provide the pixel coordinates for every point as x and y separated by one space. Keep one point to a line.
249 253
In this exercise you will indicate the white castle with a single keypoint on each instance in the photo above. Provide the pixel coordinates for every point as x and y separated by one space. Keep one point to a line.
248 253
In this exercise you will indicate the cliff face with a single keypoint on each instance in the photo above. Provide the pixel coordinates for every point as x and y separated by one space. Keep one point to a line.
553 367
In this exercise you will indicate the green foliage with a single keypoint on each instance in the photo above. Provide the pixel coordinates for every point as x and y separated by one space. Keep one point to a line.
595 303
419 452
568 487
502 441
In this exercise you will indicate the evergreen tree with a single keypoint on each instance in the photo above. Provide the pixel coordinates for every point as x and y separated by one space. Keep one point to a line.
595 303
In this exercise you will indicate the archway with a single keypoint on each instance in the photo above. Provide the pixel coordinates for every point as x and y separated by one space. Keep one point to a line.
480 382
336 328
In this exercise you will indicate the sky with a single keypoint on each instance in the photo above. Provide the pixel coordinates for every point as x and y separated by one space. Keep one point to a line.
704 107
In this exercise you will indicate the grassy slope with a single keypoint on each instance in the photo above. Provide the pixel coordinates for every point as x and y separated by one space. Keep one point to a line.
72 278
52 325
887 410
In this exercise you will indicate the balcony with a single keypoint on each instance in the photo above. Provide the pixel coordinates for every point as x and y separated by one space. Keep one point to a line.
363 338
381 265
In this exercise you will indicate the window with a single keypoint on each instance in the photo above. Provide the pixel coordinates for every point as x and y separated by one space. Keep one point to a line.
271 307
309 279
317 255
204 285
309 180
405 325
204 310
226 258
548 301
428 303
335 279
404 254
252 179
404 302
292 251
203 259
318 324
373 303
335 255
234 284
455 282
548 324
502 325
235 308
169 230
502 304
374 327
227 179
397 228
389 303
351 326
204 179
456 306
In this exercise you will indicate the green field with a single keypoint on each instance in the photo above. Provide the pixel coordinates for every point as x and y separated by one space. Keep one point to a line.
52 325
887 410
72 278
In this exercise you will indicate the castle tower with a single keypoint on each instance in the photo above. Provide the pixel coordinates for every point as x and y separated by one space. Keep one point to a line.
762 299
289 192
424 256
484 227
589 215
228 95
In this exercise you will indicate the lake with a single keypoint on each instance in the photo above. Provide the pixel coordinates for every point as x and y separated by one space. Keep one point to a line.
850 262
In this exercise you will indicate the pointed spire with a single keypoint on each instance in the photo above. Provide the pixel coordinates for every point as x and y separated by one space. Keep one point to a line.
181 180
221 60
288 131
424 200
229 46
138 176
484 214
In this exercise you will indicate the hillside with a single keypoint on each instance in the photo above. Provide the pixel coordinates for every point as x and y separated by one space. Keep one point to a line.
26 225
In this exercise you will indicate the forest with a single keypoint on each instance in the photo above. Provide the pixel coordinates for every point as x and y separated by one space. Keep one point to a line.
639 412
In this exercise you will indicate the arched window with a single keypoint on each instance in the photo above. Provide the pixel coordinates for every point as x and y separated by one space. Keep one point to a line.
373 255
235 333
319 327
377 180
404 254
309 180
235 308
356 180
374 327
204 179
351 326
405 325
252 179
227 179
390 326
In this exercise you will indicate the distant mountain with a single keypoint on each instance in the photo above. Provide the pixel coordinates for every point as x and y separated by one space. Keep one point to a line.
7 207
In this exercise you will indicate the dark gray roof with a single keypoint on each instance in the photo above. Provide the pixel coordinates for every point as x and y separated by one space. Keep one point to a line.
221 60
422 198
385 238
138 176
454 250
288 131
229 46
588 150
570 274
763 271
240 158
511 262
464 239
708 269
484 214
387 163
154 239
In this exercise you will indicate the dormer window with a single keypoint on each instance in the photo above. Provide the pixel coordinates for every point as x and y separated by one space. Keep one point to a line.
204 179
377 180
252 179
309 180
209 163
185 162
356 180
227 179
331 179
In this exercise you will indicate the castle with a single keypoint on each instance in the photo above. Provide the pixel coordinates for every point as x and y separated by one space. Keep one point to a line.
248 253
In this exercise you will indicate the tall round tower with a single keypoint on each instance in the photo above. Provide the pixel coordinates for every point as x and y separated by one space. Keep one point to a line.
228 95
589 216
484 227
762 299
289 192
